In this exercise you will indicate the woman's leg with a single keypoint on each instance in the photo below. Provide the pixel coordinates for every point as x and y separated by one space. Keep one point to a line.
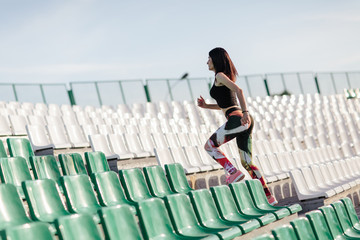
225 133
244 143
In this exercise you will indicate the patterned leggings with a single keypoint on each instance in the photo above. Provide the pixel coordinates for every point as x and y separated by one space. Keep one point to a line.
230 130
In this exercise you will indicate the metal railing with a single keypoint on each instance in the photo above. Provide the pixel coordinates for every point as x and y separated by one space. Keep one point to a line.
99 93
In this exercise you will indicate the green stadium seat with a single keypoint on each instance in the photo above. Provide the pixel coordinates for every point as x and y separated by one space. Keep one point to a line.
14 213
344 220
209 216
258 195
119 222
29 231
284 232
303 229
156 181
245 203
20 147
177 178
264 237
226 205
185 222
333 223
45 167
72 164
350 209
77 226
40 193
14 170
109 190
80 196
319 225
155 221
96 162
134 184
2 150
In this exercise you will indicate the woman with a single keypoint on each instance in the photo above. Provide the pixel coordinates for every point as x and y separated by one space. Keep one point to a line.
239 123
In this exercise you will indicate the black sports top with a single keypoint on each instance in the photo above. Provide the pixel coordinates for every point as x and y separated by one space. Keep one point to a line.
224 96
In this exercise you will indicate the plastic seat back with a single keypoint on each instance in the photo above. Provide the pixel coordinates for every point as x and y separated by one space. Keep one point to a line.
14 212
77 226
96 162
45 167
303 229
108 188
2 150
134 184
14 170
318 224
29 231
72 164
177 178
79 193
350 209
342 215
332 221
20 147
156 181
119 223
40 193
284 232
154 211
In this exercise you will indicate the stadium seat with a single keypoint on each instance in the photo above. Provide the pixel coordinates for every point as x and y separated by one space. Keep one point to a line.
245 203
350 209
228 209
312 184
96 162
109 190
80 196
185 221
344 220
77 226
209 216
2 150
258 195
134 184
119 222
12 212
284 232
29 231
118 146
14 170
177 178
20 147
38 138
134 145
333 223
303 228
179 156
76 136
154 211
18 124
5 128
156 181
194 159
58 137
99 142
45 167
147 142
41 193
322 182
72 164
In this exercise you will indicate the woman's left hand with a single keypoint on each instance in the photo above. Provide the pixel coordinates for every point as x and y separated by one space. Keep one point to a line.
245 119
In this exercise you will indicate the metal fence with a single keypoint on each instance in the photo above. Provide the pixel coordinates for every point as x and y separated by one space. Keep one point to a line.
99 93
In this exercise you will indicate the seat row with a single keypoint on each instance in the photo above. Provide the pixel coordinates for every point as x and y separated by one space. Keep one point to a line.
222 212
335 221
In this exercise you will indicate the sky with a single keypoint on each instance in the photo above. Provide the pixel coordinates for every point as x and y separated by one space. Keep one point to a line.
88 40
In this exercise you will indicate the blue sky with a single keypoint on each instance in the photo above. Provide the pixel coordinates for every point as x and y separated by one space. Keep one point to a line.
63 41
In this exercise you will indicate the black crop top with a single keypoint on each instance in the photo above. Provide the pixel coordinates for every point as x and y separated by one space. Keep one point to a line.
224 96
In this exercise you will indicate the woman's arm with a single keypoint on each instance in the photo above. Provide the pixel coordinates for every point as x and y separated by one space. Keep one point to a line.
223 79
201 103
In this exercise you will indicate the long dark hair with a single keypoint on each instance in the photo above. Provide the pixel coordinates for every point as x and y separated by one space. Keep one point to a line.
222 63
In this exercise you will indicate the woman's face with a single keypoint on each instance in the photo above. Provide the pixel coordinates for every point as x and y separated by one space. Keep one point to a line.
210 64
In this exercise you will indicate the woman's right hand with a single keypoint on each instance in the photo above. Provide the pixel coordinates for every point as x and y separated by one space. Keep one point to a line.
201 102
